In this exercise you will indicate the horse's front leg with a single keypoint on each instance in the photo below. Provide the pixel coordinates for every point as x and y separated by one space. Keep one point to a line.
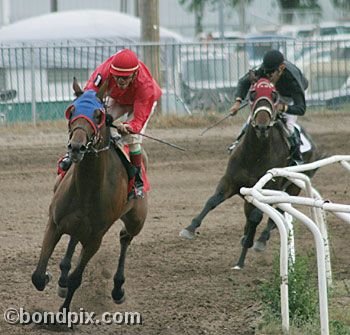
253 218
52 235
260 244
224 191
118 293
74 279
65 266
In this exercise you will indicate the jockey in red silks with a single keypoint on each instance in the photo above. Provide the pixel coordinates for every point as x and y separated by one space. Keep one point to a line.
132 92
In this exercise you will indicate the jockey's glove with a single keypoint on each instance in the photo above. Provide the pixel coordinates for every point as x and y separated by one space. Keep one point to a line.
123 128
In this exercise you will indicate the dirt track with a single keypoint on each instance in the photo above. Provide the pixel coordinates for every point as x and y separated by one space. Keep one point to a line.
179 287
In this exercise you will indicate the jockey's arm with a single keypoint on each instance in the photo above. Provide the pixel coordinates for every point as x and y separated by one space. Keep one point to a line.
299 106
243 87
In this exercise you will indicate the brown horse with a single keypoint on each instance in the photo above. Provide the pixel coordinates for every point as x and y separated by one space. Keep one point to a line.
90 198
264 146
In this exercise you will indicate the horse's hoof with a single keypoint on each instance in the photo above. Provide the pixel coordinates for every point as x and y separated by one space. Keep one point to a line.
119 301
187 234
48 277
259 246
40 280
236 267
118 296
62 291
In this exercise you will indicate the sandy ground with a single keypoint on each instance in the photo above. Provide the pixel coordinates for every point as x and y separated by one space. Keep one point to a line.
179 286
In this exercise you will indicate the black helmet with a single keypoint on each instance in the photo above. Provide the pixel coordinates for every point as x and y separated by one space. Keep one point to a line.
272 60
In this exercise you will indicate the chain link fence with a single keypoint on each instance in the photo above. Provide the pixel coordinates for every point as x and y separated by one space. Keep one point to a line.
36 81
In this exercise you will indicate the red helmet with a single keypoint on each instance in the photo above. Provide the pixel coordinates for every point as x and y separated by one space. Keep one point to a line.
124 63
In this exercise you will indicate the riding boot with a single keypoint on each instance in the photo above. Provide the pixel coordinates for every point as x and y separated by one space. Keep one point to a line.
295 153
65 162
235 143
137 193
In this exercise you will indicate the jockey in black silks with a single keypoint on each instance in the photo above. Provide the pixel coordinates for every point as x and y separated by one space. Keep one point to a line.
290 84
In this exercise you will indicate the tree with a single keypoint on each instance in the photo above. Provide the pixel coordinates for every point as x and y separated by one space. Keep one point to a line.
342 4
288 6
198 6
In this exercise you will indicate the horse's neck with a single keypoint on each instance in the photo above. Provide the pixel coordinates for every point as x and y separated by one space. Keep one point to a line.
90 172
260 150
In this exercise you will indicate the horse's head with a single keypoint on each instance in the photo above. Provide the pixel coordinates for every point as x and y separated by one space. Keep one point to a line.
263 100
87 117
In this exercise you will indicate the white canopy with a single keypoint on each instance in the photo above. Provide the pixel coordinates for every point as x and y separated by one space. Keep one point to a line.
79 25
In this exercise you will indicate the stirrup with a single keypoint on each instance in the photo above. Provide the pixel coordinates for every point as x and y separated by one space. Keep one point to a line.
232 146
65 163
136 193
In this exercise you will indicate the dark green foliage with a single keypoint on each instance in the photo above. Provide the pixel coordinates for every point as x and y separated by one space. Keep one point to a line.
302 288
338 328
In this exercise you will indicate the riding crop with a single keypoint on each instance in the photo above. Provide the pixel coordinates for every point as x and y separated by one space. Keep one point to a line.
223 119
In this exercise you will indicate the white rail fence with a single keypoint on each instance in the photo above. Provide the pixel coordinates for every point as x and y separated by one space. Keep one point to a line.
264 199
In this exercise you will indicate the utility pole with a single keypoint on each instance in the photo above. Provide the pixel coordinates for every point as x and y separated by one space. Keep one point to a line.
123 6
221 20
6 10
149 15
53 6
242 21
136 8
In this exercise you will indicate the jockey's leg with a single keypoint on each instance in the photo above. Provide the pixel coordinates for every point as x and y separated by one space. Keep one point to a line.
63 164
136 161
294 140
240 135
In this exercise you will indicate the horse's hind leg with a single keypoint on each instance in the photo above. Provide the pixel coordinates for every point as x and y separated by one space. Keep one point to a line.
74 279
260 244
65 266
223 192
118 293
133 222
253 217
39 277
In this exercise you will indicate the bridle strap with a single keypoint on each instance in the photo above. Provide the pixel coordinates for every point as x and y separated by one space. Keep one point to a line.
265 109
95 139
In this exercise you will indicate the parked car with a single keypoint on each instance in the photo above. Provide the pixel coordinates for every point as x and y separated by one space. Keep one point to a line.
329 83
209 76
332 28
297 31
256 45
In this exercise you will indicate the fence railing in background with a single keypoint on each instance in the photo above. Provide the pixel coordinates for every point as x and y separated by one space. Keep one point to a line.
36 81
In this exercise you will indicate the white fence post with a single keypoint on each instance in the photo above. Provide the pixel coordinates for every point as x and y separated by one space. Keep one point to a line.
264 199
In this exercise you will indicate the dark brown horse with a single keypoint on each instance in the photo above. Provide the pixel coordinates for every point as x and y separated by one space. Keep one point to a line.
263 147
90 198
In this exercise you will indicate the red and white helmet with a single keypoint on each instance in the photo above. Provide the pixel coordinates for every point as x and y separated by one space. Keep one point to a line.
124 63
263 89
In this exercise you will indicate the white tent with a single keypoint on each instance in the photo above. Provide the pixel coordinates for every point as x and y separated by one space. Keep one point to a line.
79 26
39 56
